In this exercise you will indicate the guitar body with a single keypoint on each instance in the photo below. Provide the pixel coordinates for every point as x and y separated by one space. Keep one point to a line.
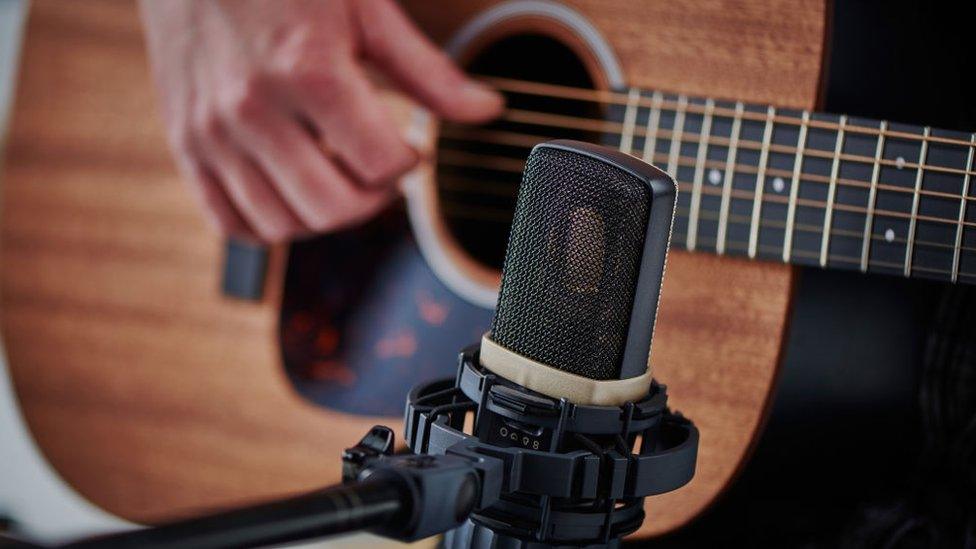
155 396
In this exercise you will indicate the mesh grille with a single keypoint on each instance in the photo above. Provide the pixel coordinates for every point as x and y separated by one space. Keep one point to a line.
571 264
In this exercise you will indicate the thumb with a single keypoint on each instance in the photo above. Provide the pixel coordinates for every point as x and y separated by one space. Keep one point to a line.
394 43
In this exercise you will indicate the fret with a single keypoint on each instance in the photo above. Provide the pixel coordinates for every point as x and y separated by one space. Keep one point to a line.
813 189
851 198
957 248
714 154
872 196
832 191
653 126
630 119
760 182
912 223
894 200
696 189
744 175
776 185
794 188
691 126
967 256
942 183
723 221
675 149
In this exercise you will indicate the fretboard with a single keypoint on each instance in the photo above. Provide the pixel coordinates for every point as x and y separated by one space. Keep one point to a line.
809 188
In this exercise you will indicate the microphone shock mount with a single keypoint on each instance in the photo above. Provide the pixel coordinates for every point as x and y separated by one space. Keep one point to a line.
523 469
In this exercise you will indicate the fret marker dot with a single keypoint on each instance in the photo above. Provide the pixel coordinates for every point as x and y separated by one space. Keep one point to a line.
889 235
714 176
900 162
778 184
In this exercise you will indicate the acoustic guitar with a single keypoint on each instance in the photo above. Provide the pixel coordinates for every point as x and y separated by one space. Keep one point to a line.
156 394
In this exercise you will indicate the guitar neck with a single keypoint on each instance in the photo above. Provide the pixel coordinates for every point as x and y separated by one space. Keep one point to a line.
809 188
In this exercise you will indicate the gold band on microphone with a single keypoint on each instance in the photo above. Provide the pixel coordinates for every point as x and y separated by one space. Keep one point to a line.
556 383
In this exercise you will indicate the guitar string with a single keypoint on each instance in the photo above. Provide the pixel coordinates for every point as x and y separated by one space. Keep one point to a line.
619 99
770 250
521 139
467 185
507 164
516 139
657 105
534 118
501 216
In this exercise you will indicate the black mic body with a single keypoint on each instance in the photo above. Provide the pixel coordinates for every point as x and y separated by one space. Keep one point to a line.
582 275
581 279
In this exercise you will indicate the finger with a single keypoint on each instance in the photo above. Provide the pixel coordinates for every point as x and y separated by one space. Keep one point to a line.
217 207
394 43
319 194
255 198
354 123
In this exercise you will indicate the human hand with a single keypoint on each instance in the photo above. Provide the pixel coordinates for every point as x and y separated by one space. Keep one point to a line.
270 113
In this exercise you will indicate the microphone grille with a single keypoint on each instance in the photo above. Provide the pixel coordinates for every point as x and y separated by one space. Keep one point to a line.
572 263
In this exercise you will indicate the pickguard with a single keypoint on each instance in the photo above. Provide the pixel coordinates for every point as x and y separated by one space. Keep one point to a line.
364 318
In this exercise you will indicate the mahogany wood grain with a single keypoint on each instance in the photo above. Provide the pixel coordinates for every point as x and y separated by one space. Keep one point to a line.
153 396
760 51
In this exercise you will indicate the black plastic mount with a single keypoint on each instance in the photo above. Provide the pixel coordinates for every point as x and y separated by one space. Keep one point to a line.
552 471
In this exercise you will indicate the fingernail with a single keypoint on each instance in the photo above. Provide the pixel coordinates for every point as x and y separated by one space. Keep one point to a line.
481 92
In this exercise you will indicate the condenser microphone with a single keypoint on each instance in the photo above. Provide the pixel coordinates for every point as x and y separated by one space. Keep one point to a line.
582 275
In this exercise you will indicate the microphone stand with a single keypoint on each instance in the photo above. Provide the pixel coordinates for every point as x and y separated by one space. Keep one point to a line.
405 497
331 511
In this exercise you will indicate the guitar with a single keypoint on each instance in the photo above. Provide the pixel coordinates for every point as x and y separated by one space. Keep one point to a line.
154 395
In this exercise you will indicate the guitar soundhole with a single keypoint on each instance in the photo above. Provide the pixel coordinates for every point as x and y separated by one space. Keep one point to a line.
479 167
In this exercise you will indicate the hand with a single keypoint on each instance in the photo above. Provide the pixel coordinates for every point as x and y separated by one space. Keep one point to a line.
270 113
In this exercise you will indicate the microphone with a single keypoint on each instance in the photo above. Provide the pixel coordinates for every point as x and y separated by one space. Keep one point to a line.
560 388
553 432
582 275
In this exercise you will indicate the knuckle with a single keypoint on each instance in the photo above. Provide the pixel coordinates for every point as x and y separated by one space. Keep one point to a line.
213 203
382 48
206 127
224 225
243 102
328 84
251 196
252 199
